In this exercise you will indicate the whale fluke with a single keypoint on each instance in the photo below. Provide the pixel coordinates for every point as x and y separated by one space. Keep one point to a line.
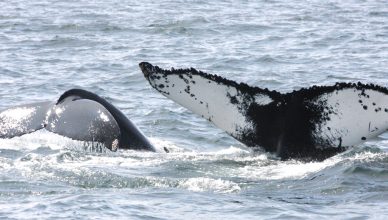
312 123
79 115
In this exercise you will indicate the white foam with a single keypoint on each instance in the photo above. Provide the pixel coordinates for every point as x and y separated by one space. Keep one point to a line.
18 114
232 151
276 170
137 167
160 146
202 184
38 139
15 118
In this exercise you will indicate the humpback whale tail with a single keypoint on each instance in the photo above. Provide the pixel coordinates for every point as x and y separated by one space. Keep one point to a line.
314 123
78 114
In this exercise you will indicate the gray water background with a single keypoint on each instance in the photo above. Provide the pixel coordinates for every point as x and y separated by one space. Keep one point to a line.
47 47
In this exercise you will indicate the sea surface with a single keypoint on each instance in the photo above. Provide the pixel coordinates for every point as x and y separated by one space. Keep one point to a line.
48 47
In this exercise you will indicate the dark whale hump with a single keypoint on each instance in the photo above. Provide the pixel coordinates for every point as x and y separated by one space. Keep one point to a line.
78 114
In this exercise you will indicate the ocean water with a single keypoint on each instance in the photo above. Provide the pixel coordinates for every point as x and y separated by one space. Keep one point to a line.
47 47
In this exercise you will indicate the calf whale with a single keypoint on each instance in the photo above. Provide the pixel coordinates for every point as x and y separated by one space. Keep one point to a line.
79 115
312 123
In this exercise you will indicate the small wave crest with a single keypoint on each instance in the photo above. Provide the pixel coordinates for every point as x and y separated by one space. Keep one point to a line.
202 184
44 156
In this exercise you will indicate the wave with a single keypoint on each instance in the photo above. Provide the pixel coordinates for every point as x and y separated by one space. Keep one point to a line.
43 156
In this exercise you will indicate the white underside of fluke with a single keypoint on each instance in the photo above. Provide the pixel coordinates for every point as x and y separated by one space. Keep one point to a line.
355 116
209 99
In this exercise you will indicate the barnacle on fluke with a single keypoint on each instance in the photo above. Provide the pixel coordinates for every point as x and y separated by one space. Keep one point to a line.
310 123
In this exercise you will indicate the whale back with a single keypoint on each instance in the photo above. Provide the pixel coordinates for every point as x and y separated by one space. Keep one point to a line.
129 136
23 119
79 115
86 120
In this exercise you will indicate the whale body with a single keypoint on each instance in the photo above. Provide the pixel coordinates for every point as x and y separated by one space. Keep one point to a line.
312 123
79 115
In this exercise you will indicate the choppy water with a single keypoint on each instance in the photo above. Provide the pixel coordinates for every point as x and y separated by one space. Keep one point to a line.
47 47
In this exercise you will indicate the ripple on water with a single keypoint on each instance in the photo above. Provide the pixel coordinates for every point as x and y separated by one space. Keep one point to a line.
47 47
